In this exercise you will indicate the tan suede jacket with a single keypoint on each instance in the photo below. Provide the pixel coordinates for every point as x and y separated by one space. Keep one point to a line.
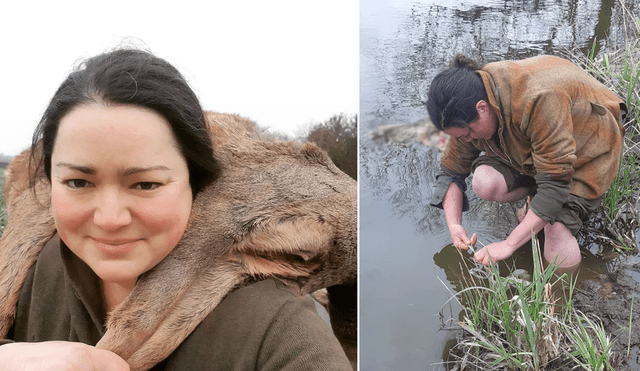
555 123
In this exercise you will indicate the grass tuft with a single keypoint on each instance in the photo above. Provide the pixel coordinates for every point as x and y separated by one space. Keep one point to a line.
509 323
592 347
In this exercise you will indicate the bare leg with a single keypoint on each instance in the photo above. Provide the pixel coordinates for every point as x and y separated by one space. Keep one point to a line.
560 244
490 185
559 292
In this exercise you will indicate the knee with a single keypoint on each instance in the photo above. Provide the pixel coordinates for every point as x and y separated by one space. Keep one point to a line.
488 183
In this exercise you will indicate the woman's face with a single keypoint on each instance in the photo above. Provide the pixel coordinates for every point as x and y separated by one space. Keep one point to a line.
483 127
120 189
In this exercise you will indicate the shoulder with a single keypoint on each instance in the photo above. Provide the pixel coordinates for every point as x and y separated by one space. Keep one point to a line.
261 326
269 294
540 72
531 65
254 308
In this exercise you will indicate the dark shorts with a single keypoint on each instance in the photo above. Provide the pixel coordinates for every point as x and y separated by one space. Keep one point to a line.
574 212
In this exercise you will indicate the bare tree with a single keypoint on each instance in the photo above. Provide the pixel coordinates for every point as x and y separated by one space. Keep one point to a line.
338 136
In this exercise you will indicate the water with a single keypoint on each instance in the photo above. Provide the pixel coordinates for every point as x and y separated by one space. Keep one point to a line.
408 268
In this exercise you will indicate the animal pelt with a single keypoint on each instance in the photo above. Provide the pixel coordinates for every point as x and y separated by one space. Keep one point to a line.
278 209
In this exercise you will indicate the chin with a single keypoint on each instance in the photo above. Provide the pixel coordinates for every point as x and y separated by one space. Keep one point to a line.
117 271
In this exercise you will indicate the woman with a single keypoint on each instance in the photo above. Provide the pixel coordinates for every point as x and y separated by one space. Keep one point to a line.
125 149
546 128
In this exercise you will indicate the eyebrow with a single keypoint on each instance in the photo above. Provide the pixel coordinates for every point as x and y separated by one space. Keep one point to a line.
126 172
83 169
134 169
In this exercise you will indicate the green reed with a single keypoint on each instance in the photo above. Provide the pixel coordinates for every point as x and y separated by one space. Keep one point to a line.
521 325
592 346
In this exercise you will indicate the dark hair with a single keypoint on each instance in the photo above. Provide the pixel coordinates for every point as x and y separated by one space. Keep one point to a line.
137 77
454 93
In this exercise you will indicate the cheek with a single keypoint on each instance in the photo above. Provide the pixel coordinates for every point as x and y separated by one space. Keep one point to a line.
68 213
168 216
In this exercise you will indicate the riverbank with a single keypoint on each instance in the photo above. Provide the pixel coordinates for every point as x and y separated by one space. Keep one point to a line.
615 296
617 221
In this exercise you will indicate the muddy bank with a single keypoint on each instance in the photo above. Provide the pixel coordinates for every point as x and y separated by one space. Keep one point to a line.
610 298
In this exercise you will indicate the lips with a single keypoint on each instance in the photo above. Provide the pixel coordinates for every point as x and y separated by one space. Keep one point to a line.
115 247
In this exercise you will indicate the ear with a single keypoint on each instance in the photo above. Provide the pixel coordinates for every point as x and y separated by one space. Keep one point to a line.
289 248
482 107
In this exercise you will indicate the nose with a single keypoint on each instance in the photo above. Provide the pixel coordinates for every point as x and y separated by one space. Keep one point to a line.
111 210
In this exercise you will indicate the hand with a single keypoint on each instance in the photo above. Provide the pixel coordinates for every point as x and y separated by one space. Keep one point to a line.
496 251
59 356
460 238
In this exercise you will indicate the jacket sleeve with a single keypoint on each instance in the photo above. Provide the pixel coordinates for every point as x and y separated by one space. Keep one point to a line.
549 127
550 197
443 179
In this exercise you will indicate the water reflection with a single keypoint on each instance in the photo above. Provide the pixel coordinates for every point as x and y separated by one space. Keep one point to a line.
404 45
404 243
404 176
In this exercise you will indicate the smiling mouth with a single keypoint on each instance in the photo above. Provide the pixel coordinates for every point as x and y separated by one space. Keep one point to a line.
114 242
115 247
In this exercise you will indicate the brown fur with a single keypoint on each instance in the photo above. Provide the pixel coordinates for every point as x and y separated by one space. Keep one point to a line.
278 209
16 179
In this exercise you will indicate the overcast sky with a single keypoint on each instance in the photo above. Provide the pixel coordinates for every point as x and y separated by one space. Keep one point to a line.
284 64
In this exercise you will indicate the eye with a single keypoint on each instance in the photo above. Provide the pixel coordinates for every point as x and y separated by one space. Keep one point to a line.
76 183
146 186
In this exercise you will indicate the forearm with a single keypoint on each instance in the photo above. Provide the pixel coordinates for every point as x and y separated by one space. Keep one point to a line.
443 181
522 233
545 205
452 205
58 355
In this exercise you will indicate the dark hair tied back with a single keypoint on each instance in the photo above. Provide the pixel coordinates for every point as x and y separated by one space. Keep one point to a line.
462 61
454 93
137 77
